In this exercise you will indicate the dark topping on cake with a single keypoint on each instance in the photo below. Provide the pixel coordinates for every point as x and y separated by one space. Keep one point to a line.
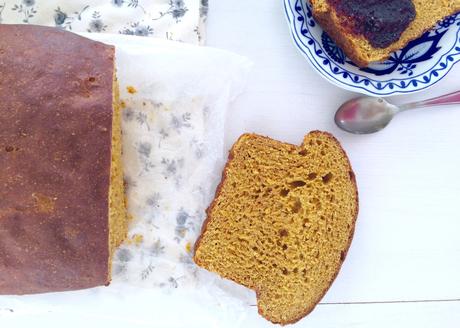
381 22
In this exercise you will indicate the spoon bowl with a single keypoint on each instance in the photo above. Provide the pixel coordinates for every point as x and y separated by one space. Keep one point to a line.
365 115
369 115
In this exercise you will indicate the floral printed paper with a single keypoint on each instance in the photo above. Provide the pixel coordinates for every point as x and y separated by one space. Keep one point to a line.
179 20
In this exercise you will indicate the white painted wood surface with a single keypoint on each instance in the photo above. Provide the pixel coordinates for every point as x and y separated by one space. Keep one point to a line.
407 245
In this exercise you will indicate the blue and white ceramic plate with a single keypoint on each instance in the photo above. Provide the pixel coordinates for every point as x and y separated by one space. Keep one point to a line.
421 64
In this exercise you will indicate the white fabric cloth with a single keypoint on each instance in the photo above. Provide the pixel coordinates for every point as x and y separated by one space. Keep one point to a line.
179 20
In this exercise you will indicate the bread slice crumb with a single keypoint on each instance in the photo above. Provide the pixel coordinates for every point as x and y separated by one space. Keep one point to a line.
282 221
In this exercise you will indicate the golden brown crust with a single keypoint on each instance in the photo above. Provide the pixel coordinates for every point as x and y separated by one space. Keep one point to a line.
218 193
55 139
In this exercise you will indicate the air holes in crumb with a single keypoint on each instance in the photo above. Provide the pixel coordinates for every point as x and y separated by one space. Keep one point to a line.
312 176
297 184
255 249
10 149
283 233
296 206
284 192
323 153
285 271
303 152
295 270
302 257
318 142
92 79
327 177
316 202
285 247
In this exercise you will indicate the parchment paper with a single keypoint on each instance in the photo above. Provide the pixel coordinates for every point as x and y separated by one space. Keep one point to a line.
174 99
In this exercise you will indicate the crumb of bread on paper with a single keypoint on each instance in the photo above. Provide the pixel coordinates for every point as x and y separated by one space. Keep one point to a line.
132 90
135 239
188 247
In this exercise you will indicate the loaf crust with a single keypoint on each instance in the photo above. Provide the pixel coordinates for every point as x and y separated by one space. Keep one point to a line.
56 97
218 194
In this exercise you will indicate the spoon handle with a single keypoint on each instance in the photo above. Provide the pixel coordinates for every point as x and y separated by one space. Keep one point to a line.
449 99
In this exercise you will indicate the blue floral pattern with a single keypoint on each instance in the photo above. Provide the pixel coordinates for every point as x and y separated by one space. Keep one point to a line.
177 9
405 61
179 20
25 9
420 64
168 145
2 8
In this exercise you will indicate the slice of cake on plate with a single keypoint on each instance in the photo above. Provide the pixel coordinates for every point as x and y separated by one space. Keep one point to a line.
370 30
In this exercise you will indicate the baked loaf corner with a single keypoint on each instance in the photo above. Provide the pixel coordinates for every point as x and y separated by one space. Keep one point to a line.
281 222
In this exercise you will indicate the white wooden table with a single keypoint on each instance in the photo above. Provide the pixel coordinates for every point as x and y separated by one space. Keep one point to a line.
403 268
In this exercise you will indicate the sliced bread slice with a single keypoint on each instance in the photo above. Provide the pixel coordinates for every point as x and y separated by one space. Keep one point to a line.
356 46
282 221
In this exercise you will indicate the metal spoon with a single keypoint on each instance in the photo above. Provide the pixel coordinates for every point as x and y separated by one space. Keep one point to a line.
368 115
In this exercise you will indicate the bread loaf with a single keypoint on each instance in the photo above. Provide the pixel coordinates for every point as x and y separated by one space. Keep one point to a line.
62 210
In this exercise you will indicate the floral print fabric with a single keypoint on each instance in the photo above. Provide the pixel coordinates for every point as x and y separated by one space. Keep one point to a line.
179 20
